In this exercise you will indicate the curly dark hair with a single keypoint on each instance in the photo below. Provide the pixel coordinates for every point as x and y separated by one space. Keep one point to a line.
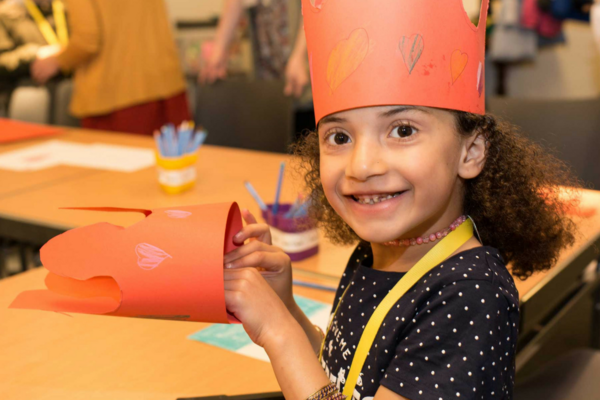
515 201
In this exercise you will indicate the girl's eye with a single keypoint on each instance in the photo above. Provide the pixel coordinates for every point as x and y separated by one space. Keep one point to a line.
338 139
403 131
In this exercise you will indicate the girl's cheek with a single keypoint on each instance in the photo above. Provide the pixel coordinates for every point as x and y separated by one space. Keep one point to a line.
332 174
327 178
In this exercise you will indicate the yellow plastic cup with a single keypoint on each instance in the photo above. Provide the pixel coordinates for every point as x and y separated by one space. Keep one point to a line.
176 174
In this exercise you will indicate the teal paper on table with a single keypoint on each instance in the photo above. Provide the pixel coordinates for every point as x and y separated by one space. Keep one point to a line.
234 338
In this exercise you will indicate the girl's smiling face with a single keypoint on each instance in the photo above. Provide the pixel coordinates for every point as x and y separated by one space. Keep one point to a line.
395 172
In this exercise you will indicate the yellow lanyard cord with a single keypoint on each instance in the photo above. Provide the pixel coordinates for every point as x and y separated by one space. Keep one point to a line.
58 10
444 249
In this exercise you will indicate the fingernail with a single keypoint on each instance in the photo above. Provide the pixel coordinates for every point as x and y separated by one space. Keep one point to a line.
228 265
238 235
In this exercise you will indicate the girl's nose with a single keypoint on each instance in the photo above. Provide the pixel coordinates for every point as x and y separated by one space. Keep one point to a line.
366 160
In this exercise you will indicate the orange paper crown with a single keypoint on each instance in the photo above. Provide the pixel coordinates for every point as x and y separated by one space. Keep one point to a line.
167 266
394 52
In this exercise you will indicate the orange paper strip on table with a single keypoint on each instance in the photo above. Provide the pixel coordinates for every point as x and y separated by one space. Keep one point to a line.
167 266
14 131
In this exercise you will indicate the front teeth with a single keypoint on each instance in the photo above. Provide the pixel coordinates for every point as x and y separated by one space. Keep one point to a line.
374 199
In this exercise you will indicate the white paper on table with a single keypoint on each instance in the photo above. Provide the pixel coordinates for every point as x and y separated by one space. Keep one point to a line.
112 158
41 156
97 156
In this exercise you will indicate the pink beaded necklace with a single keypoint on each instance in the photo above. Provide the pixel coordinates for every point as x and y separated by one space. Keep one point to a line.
431 238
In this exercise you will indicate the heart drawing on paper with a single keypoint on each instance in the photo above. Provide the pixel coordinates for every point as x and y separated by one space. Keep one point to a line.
480 79
178 213
346 57
458 62
310 67
317 4
150 257
411 49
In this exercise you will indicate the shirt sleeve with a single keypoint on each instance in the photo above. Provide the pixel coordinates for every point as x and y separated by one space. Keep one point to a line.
84 41
460 345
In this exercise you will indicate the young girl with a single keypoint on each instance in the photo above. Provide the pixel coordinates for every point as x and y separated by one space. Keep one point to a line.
404 162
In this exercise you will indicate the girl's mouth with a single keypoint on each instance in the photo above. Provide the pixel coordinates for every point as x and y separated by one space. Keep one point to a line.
374 198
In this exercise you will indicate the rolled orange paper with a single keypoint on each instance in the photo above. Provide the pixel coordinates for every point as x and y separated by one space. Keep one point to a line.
167 266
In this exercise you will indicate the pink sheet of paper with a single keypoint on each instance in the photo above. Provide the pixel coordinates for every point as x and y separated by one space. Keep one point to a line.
167 266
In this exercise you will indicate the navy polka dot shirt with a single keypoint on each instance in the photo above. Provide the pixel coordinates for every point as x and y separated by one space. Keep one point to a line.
452 335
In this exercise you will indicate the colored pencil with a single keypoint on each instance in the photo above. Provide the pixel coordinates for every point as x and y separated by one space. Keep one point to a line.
198 140
254 194
159 146
314 286
278 190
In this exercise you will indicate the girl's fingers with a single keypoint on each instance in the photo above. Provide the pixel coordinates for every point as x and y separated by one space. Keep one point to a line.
248 217
270 261
232 282
238 285
256 231
234 278
247 249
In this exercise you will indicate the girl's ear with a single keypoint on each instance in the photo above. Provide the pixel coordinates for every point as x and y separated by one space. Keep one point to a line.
473 157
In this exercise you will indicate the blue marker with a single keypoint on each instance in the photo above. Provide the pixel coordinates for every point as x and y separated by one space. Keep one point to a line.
185 136
159 146
278 192
199 139
292 209
314 286
254 194
169 140
302 210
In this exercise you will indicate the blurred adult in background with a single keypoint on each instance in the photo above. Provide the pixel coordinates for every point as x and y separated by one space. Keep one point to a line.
595 21
126 69
278 42
28 29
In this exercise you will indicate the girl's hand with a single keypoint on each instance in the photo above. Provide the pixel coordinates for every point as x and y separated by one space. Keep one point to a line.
250 298
271 262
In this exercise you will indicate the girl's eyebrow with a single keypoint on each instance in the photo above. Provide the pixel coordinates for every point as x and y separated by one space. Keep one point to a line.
331 118
384 114
398 110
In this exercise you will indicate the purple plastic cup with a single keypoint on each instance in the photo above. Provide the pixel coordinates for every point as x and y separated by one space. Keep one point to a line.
297 237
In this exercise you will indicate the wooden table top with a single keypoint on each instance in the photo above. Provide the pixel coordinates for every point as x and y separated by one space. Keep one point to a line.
221 175
47 356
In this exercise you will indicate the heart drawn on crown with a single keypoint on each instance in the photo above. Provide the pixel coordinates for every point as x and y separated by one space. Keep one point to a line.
178 214
317 4
458 62
411 49
346 57
150 257
480 79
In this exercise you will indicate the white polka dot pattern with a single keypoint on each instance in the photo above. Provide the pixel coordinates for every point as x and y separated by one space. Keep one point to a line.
449 336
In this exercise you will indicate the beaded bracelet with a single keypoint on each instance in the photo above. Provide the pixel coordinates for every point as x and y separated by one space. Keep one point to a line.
337 396
320 331
324 393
